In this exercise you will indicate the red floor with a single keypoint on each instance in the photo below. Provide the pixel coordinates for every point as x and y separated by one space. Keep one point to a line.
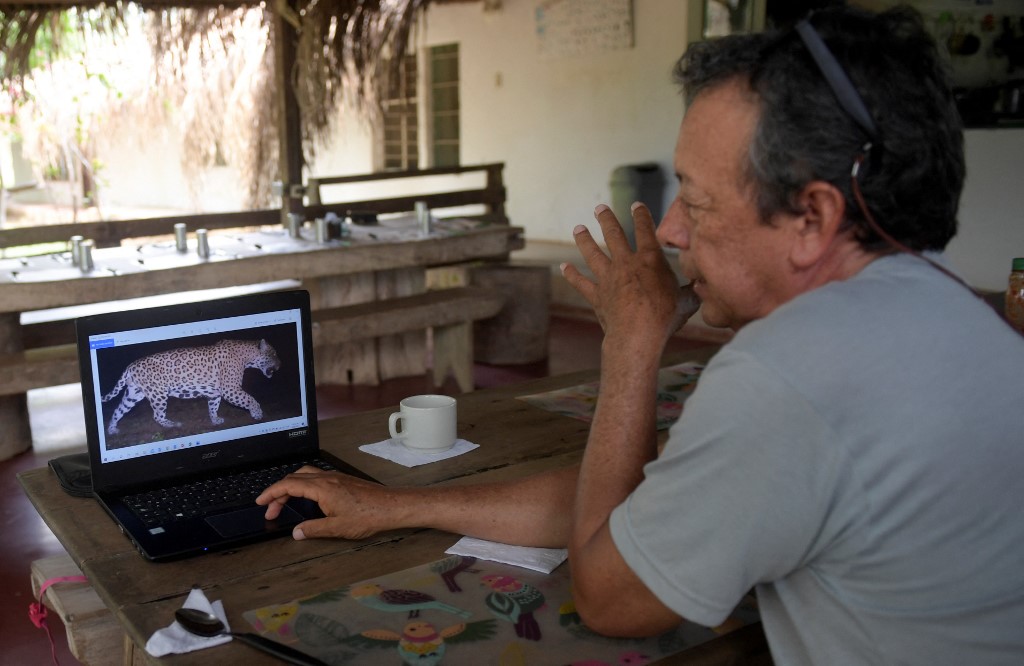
574 345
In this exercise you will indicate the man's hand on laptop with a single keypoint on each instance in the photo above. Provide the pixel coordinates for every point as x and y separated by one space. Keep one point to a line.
354 508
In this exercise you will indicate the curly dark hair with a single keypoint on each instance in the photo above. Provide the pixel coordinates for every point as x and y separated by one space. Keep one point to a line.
914 179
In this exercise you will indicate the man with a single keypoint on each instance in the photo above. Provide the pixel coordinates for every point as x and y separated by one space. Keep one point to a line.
854 453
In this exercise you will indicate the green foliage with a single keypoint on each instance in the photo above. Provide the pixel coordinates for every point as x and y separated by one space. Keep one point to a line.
35 250
55 38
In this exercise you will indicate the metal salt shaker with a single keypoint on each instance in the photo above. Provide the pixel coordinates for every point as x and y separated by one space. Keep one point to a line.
423 217
76 250
295 221
203 243
321 230
85 255
181 237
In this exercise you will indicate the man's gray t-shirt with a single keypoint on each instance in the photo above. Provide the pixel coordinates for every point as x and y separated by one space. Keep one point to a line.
858 457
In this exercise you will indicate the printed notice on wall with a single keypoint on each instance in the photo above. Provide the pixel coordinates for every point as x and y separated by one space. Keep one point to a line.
579 27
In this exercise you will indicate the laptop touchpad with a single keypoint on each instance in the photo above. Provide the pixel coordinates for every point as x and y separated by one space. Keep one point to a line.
251 521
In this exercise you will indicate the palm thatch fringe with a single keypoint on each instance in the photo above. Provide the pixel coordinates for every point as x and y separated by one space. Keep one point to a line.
218 80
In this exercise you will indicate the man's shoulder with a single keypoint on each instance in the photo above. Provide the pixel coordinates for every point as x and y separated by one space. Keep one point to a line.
891 293
884 312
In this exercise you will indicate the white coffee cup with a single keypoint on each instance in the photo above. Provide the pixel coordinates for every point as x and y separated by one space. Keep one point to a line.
428 423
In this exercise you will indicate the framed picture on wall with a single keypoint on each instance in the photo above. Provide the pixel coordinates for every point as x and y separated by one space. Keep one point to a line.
727 17
717 18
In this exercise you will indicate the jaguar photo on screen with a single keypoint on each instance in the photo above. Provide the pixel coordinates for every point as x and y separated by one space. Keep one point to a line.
169 389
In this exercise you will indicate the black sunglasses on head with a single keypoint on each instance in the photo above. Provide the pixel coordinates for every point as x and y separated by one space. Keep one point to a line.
838 81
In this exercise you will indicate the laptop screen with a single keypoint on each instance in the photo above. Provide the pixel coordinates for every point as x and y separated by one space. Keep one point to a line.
200 386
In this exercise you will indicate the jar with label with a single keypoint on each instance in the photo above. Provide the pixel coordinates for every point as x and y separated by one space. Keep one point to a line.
1015 295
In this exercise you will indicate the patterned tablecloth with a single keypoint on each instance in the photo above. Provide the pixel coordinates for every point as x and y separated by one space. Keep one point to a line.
461 610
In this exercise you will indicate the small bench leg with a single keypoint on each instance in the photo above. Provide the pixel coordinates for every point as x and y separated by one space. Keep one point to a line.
17 435
132 656
453 350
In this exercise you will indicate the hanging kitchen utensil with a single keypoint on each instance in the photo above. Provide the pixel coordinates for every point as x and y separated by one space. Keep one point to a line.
971 43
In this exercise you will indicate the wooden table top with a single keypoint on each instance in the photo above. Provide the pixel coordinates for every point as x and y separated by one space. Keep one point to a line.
515 438
268 255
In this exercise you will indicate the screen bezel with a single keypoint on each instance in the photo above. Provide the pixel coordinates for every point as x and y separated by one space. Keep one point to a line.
209 458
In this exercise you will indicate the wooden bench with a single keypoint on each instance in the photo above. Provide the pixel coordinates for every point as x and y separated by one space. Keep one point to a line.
95 638
448 313
491 195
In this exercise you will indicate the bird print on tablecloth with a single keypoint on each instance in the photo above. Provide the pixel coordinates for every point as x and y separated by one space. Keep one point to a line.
450 567
396 601
421 644
515 601
277 620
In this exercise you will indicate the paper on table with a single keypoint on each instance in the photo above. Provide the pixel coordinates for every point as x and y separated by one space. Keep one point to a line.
392 450
174 638
544 560
378 233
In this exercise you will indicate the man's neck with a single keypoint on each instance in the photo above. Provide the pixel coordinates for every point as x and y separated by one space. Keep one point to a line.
844 259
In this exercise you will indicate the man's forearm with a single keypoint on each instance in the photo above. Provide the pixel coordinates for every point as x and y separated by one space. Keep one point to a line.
534 511
622 437
608 594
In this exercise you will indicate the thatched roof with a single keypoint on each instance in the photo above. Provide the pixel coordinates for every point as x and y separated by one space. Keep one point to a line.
342 49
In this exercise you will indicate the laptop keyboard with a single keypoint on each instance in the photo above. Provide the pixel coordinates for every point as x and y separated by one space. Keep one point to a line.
212 495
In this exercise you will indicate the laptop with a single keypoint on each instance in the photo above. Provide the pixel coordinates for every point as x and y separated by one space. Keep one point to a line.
188 399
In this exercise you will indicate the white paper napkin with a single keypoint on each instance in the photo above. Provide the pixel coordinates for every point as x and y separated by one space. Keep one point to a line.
544 560
394 451
174 638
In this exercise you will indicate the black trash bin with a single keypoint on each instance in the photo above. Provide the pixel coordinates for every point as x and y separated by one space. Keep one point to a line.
636 182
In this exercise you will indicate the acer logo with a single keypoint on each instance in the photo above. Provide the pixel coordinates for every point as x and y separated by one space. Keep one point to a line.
207 456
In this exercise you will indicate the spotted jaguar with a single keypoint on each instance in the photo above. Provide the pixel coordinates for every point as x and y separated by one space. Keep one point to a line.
213 372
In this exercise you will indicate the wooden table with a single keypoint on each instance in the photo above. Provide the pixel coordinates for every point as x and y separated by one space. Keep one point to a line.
515 438
336 273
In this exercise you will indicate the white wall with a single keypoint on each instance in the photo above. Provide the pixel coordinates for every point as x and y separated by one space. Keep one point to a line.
561 124
992 208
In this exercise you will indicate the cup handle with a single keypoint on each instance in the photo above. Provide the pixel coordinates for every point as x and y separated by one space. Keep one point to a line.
392 423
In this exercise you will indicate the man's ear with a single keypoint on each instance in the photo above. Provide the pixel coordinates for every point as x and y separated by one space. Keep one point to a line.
824 209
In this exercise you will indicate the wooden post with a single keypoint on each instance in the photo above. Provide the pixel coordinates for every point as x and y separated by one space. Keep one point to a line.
495 182
289 121
16 434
